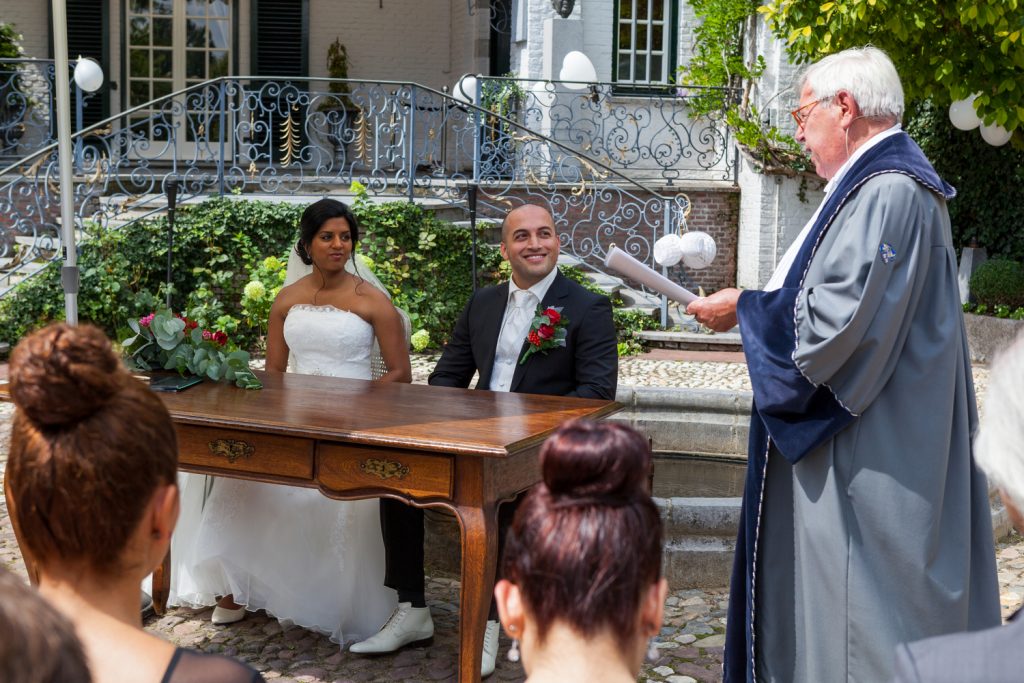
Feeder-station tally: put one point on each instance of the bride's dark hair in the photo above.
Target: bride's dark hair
(586, 542)
(314, 217)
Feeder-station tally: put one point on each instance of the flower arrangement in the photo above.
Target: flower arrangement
(420, 340)
(547, 331)
(164, 340)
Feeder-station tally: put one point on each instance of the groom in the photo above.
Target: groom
(490, 337)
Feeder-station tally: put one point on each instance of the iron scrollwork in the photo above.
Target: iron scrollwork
(231, 449)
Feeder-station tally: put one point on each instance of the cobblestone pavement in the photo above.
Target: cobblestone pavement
(690, 642)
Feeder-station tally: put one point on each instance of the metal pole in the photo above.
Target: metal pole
(79, 95)
(69, 272)
(411, 154)
(172, 200)
(472, 230)
(668, 228)
(478, 122)
(223, 122)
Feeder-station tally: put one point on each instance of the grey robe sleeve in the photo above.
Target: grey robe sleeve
(851, 315)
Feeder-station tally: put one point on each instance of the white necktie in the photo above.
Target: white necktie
(518, 323)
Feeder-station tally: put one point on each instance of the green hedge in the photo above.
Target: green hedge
(989, 205)
(999, 282)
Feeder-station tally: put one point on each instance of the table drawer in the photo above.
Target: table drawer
(229, 449)
(346, 467)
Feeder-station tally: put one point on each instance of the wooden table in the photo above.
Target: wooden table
(460, 449)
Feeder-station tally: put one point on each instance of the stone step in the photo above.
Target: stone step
(694, 341)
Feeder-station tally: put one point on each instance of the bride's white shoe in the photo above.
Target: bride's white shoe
(223, 615)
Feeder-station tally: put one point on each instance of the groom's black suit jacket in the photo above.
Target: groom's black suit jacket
(587, 366)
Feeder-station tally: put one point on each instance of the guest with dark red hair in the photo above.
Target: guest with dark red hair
(583, 591)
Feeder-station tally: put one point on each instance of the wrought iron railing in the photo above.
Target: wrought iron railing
(267, 136)
(652, 135)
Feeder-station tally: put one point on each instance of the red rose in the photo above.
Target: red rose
(207, 334)
(553, 315)
(534, 338)
(546, 331)
(220, 337)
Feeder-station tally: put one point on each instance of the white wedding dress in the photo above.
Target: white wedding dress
(299, 555)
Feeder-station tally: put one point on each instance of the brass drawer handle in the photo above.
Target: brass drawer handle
(385, 469)
(232, 449)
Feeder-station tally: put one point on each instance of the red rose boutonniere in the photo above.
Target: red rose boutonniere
(546, 332)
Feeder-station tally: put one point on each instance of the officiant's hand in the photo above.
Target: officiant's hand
(717, 311)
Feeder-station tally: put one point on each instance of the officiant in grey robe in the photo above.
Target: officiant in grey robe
(865, 521)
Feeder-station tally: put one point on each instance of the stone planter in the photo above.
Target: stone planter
(987, 335)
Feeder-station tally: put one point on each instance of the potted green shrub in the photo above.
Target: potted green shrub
(337, 105)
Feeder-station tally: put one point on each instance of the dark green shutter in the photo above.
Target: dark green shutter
(280, 38)
(88, 36)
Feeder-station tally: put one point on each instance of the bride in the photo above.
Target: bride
(302, 557)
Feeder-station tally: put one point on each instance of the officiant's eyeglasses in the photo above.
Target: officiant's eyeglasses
(801, 114)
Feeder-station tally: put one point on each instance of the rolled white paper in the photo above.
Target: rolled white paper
(623, 263)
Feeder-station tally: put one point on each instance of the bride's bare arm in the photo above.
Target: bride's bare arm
(394, 349)
(277, 348)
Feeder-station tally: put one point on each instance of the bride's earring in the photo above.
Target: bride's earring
(513, 652)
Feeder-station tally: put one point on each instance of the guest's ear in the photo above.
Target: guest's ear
(164, 510)
(652, 612)
(510, 608)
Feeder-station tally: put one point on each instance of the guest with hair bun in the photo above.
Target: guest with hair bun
(92, 495)
(583, 591)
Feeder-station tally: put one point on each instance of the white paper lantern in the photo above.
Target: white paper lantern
(995, 135)
(88, 74)
(962, 114)
(699, 249)
(668, 250)
(465, 89)
(578, 68)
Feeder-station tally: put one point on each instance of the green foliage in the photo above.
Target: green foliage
(718, 62)
(989, 205)
(10, 42)
(423, 262)
(628, 324)
(944, 51)
(259, 293)
(164, 341)
(999, 282)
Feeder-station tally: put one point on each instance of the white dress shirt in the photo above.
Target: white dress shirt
(519, 313)
(779, 276)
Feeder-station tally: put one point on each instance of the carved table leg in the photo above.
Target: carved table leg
(162, 584)
(479, 557)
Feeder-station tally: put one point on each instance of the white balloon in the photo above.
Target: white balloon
(995, 135)
(668, 250)
(699, 249)
(962, 114)
(465, 89)
(578, 68)
(88, 74)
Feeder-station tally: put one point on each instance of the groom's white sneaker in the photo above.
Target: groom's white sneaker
(490, 649)
(406, 625)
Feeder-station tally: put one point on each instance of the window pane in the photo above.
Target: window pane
(195, 8)
(641, 10)
(196, 33)
(640, 67)
(162, 29)
(162, 61)
(626, 8)
(195, 64)
(623, 67)
(657, 37)
(139, 63)
(658, 10)
(140, 31)
(139, 93)
(218, 34)
(161, 88)
(641, 37)
(220, 8)
(656, 74)
(625, 31)
(218, 64)
(163, 6)
(140, 6)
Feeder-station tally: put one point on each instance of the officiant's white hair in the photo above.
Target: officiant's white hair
(867, 73)
(999, 445)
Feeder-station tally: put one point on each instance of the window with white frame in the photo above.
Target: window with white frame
(645, 42)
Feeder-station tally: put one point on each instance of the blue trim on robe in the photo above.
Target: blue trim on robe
(789, 411)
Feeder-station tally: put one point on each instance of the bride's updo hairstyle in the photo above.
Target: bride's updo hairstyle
(586, 542)
(89, 446)
(314, 217)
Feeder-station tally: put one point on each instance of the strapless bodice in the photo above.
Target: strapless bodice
(325, 340)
